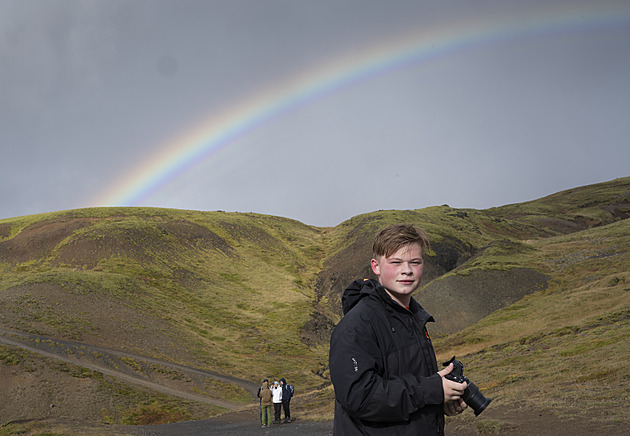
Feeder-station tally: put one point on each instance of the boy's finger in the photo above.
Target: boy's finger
(446, 370)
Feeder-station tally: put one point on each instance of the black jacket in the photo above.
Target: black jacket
(383, 367)
(286, 390)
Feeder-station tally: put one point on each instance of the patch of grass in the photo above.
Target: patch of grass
(489, 427)
(12, 429)
(558, 368)
(229, 391)
(153, 413)
(132, 363)
(75, 370)
(10, 356)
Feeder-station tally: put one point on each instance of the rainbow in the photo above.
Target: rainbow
(220, 130)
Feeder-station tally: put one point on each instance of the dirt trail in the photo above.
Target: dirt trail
(100, 359)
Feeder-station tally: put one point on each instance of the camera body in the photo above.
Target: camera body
(472, 396)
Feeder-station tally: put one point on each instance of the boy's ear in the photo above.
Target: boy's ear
(375, 267)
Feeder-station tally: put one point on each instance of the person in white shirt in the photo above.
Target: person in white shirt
(277, 401)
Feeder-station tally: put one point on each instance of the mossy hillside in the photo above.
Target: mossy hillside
(495, 231)
(572, 209)
(589, 273)
(102, 396)
(587, 264)
(233, 292)
(228, 287)
(561, 349)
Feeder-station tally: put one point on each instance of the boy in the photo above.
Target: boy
(382, 362)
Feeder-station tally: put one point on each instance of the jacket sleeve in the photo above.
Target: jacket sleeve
(357, 373)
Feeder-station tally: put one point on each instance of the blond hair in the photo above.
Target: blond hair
(392, 238)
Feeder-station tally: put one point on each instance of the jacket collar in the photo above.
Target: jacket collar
(370, 288)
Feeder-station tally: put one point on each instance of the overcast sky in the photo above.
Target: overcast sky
(499, 102)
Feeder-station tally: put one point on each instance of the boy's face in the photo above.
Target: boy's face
(400, 273)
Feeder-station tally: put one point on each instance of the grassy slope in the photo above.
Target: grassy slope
(234, 300)
(561, 349)
(218, 299)
(224, 292)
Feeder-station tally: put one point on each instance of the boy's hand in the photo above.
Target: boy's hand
(456, 407)
(452, 390)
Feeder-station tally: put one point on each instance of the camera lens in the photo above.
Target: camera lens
(475, 399)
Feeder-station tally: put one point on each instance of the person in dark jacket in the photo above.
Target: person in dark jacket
(382, 363)
(287, 393)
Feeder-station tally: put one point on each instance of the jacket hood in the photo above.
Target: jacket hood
(357, 290)
(283, 381)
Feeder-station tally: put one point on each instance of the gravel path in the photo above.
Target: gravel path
(208, 428)
(242, 423)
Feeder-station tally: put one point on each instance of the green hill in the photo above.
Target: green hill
(158, 315)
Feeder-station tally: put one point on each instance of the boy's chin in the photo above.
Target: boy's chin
(405, 289)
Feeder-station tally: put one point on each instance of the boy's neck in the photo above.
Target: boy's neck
(403, 300)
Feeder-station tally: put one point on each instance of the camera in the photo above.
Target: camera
(472, 396)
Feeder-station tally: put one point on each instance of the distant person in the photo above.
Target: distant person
(277, 401)
(266, 400)
(382, 362)
(287, 393)
(260, 399)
